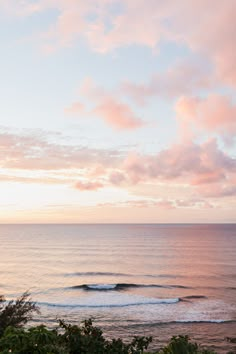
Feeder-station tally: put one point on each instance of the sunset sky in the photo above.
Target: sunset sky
(117, 111)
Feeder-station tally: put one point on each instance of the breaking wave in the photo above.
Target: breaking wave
(192, 297)
(123, 286)
(125, 304)
(110, 301)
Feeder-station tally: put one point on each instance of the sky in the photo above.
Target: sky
(117, 111)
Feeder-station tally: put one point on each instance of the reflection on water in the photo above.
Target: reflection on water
(141, 275)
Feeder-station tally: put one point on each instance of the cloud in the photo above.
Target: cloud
(187, 163)
(118, 115)
(194, 203)
(21, 8)
(33, 179)
(37, 152)
(212, 36)
(106, 25)
(107, 106)
(117, 178)
(185, 77)
(219, 190)
(208, 177)
(203, 169)
(214, 114)
(162, 203)
(88, 186)
(142, 203)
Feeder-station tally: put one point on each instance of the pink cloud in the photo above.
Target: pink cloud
(21, 9)
(215, 114)
(143, 203)
(33, 179)
(184, 77)
(208, 177)
(217, 190)
(118, 115)
(187, 163)
(162, 204)
(203, 169)
(194, 203)
(213, 36)
(97, 170)
(37, 152)
(88, 186)
(73, 22)
(90, 90)
(165, 204)
(117, 178)
(107, 106)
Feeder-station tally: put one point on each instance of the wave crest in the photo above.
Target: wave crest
(111, 301)
(123, 286)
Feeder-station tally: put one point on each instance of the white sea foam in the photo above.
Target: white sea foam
(102, 286)
(110, 300)
(204, 321)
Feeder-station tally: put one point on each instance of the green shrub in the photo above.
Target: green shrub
(36, 340)
(89, 339)
(86, 339)
(182, 345)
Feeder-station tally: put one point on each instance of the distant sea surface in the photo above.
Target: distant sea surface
(132, 279)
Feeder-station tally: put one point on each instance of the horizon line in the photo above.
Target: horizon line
(118, 223)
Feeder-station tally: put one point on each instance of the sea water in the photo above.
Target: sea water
(132, 279)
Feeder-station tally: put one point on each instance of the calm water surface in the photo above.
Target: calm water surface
(132, 279)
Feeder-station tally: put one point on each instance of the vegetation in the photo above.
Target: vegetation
(16, 313)
(72, 339)
(86, 339)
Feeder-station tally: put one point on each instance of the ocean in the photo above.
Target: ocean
(132, 279)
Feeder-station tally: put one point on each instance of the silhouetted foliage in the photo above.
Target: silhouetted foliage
(35, 340)
(16, 313)
(182, 345)
(86, 339)
(89, 339)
